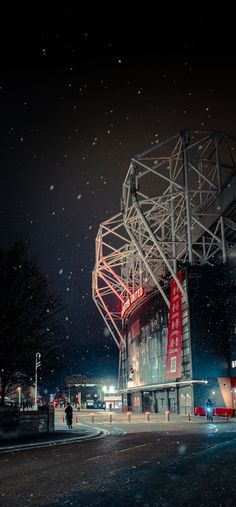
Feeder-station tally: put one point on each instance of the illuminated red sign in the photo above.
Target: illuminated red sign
(174, 345)
(132, 299)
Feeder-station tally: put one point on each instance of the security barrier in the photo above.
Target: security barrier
(167, 413)
(147, 416)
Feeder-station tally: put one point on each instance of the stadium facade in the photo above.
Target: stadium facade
(165, 275)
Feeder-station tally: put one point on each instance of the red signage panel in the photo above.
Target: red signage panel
(131, 300)
(174, 344)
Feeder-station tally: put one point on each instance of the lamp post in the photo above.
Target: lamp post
(37, 364)
(19, 396)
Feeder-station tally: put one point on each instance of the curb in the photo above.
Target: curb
(49, 443)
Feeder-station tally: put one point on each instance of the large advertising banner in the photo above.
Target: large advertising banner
(147, 344)
(174, 343)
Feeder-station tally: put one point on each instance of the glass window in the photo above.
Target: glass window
(173, 364)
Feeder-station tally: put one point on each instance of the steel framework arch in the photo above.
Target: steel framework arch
(177, 207)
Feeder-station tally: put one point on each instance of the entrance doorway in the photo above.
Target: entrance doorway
(161, 405)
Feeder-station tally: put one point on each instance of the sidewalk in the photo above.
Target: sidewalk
(42, 439)
(93, 417)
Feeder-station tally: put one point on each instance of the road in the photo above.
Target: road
(147, 465)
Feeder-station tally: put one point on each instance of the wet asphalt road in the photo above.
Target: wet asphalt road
(189, 466)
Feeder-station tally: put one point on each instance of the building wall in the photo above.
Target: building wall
(231, 307)
(208, 344)
(208, 322)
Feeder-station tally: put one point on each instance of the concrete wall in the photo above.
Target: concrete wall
(14, 423)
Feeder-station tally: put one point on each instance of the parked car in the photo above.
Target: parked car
(90, 404)
(99, 404)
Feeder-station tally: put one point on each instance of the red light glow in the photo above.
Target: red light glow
(133, 298)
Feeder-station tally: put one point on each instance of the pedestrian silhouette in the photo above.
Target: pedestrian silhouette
(69, 415)
(209, 410)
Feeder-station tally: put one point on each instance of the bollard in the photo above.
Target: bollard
(110, 417)
(167, 415)
(189, 416)
(92, 418)
(147, 416)
(129, 416)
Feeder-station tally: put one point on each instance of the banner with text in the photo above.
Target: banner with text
(174, 343)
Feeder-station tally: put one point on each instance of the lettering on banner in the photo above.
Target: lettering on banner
(174, 344)
(132, 299)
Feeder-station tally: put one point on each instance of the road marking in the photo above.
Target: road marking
(95, 457)
(117, 452)
(130, 448)
(112, 429)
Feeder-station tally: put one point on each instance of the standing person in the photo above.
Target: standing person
(209, 410)
(69, 415)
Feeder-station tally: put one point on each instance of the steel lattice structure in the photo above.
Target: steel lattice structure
(177, 206)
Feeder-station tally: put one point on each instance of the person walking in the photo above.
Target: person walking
(69, 415)
(209, 410)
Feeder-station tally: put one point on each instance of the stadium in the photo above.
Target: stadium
(164, 279)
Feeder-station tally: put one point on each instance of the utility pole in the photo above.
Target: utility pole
(37, 364)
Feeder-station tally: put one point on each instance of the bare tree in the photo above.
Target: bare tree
(30, 319)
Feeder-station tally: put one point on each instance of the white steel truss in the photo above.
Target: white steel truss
(175, 201)
(113, 276)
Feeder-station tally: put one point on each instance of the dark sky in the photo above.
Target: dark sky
(79, 96)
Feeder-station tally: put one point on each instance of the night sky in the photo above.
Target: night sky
(80, 96)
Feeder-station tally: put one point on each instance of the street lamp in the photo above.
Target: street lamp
(19, 396)
(37, 364)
